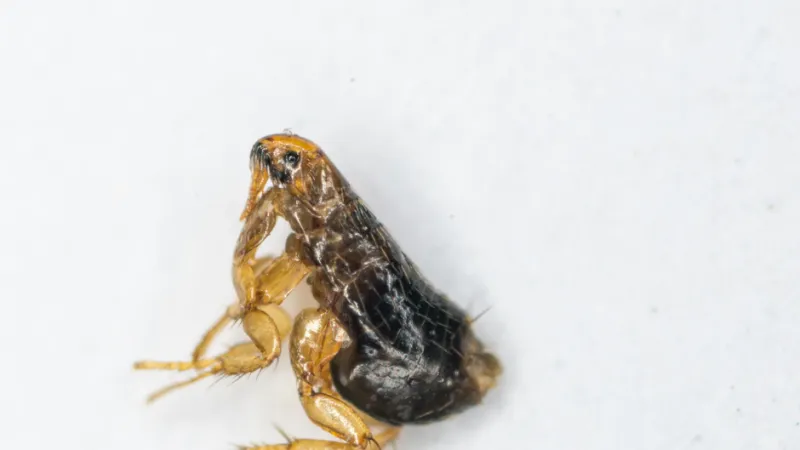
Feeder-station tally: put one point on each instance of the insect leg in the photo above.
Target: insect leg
(381, 440)
(276, 281)
(316, 338)
(247, 270)
(251, 275)
(273, 324)
(259, 283)
(231, 312)
(215, 366)
(303, 444)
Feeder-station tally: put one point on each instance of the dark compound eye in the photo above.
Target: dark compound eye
(291, 158)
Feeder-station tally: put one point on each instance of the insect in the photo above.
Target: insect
(383, 348)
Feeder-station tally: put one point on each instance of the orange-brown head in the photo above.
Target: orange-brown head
(285, 158)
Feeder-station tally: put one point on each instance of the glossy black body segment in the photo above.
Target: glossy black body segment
(406, 363)
(407, 357)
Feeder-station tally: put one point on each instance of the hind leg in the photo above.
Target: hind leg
(315, 340)
(381, 439)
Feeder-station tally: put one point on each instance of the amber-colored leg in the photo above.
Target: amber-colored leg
(260, 283)
(263, 321)
(381, 440)
(249, 271)
(231, 313)
(272, 285)
(316, 338)
(265, 326)
(215, 366)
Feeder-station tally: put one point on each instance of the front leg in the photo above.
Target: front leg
(247, 268)
(277, 280)
(258, 283)
(258, 226)
(262, 285)
(271, 324)
(234, 312)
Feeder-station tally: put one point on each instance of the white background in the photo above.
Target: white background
(618, 180)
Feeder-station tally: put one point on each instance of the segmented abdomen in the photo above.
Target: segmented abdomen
(405, 363)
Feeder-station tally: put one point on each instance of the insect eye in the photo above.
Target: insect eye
(291, 158)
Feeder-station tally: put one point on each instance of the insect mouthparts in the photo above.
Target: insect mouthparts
(259, 158)
(278, 175)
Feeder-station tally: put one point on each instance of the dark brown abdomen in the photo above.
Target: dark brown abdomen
(406, 363)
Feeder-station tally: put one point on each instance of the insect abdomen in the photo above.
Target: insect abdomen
(406, 364)
(412, 349)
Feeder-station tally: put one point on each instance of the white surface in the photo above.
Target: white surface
(619, 180)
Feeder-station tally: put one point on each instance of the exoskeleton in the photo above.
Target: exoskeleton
(383, 347)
